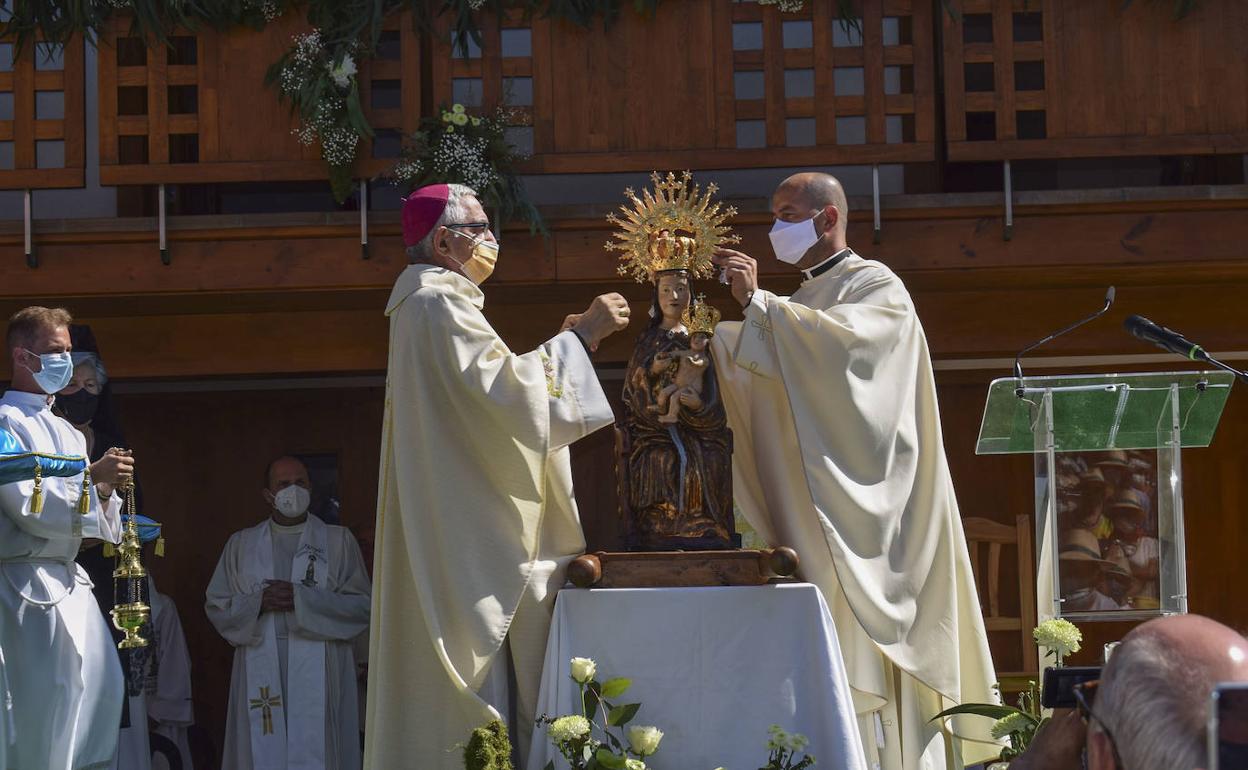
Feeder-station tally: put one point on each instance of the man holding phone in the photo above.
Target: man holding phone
(1149, 711)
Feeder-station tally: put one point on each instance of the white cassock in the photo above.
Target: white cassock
(475, 519)
(169, 702)
(838, 452)
(292, 689)
(62, 668)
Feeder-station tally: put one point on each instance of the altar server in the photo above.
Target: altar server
(60, 663)
(475, 519)
(290, 594)
(838, 452)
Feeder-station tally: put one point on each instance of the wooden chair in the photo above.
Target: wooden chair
(985, 539)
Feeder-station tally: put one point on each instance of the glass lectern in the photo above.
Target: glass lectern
(1108, 483)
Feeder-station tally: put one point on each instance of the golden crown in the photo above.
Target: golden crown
(700, 317)
(649, 234)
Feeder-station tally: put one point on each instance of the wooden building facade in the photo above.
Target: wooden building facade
(1120, 132)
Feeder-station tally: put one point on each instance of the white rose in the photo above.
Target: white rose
(644, 739)
(343, 71)
(583, 670)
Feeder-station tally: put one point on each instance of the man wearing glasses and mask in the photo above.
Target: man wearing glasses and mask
(475, 519)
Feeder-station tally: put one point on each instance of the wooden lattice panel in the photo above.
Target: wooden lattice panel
(499, 72)
(1070, 78)
(671, 91)
(45, 145)
(390, 94)
(995, 79)
(197, 109)
(857, 94)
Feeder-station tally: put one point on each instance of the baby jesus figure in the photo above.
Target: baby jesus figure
(686, 385)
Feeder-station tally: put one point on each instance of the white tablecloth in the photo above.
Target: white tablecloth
(712, 668)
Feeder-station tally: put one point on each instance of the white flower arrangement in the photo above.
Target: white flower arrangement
(782, 747)
(574, 735)
(454, 145)
(320, 81)
(1060, 637)
(787, 6)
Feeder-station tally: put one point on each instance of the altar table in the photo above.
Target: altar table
(712, 668)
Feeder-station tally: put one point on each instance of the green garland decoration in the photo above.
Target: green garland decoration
(458, 147)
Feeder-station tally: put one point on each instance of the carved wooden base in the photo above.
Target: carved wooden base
(681, 569)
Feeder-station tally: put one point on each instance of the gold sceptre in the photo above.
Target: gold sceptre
(130, 613)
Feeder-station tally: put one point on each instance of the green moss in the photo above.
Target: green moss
(488, 748)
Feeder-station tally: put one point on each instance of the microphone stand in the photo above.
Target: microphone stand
(1240, 374)
(1019, 390)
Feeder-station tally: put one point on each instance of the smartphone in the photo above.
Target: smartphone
(1228, 726)
(1058, 691)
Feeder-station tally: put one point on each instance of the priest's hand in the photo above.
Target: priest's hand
(741, 270)
(607, 314)
(279, 596)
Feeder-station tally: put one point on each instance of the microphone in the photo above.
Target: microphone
(1167, 339)
(1018, 366)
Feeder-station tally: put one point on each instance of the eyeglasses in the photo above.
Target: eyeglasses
(468, 226)
(1085, 694)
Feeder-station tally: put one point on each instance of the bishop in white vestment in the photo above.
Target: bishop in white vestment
(62, 670)
(839, 453)
(290, 594)
(476, 518)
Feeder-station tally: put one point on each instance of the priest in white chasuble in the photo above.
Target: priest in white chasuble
(290, 594)
(839, 453)
(60, 665)
(476, 519)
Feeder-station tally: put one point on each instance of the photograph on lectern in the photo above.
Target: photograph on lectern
(1108, 546)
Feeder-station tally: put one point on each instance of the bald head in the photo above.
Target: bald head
(816, 190)
(1155, 690)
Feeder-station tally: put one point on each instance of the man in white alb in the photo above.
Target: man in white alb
(290, 594)
(61, 667)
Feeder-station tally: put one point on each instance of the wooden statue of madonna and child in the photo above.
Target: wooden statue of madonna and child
(674, 447)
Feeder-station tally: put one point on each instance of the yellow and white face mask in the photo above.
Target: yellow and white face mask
(481, 264)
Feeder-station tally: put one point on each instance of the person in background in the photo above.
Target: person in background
(291, 593)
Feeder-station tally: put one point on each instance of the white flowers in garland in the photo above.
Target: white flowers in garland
(455, 146)
(342, 72)
(320, 80)
(788, 6)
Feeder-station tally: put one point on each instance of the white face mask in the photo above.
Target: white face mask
(791, 240)
(292, 502)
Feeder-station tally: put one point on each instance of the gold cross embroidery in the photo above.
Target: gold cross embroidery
(266, 703)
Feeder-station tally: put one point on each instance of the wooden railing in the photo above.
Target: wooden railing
(701, 85)
(45, 136)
